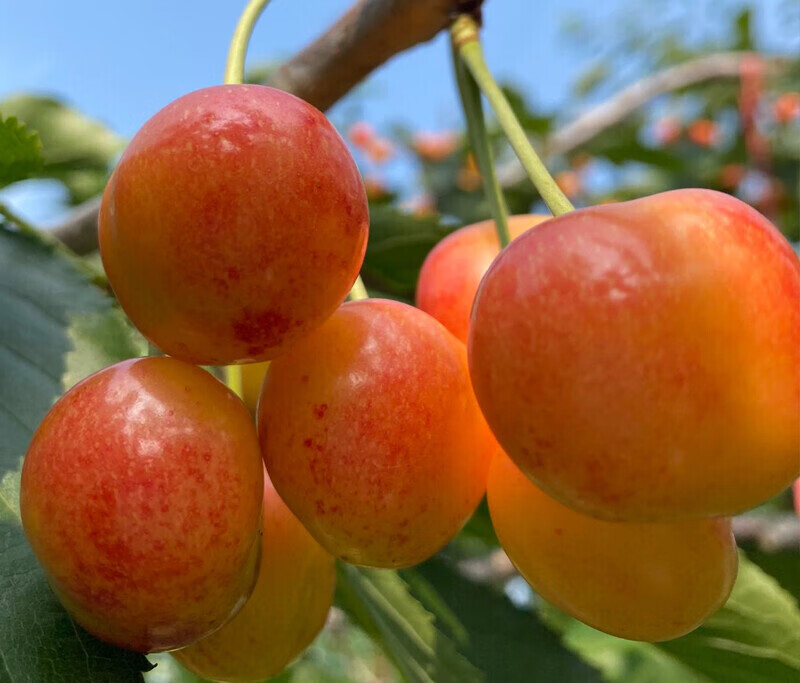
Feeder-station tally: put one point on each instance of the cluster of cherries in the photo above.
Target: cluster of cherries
(633, 379)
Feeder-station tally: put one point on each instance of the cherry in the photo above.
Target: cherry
(453, 270)
(703, 132)
(285, 612)
(431, 146)
(371, 434)
(235, 222)
(141, 497)
(667, 131)
(787, 107)
(640, 361)
(796, 491)
(569, 182)
(361, 135)
(648, 582)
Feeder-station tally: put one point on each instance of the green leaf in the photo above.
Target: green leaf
(20, 151)
(530, 120)
(39, 643)
(99, 339)
(54, 327)
(621, 661)
(398, 245)
(754, 638)
(380, 603)
(781, 563)
(510, 645)
(261, 72)
(622, 145)
(77, 150)
(591, 78)
(744, 32)
(479, 528)
(341, 653)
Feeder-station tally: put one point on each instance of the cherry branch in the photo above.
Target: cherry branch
(365, 37)
(78, 230)
(618, 107)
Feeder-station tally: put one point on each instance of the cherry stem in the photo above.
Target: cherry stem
(234, 68)
(358, 291)
(464, 33)
(479, 140)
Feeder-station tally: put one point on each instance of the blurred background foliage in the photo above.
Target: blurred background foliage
(738, 134)
(466, 615)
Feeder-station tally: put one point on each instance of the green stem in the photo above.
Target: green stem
(465, 36)
(234, 68)
(233, 378)
(479, 140)
(358, 291)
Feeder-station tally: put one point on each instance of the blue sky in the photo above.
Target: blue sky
(121, 61)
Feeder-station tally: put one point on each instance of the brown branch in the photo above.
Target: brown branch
(636, 95)
(364, 38)
(371, 32)
(621, 105)
(79, 229)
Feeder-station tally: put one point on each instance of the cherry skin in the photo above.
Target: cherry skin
(371, 434)
(452, 271)
(141, 497)
(651, 581)
(235, 222)
(284, 614)
(796, 491)
(640, 361)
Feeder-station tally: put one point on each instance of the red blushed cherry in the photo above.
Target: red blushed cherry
(141, 497)
(640, 361)
(372, 436)
(235, 222)
(452, 271)
(796, 490)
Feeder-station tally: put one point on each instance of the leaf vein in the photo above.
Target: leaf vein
(5, 666)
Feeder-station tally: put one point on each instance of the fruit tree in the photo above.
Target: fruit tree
(531, 412)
